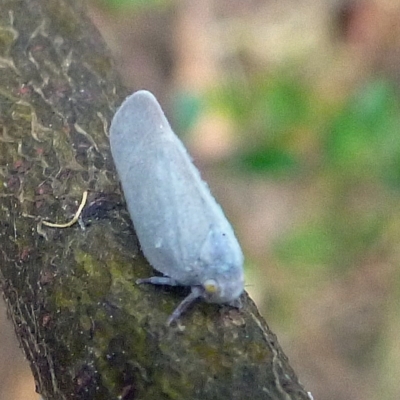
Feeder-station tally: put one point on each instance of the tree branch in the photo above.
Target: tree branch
(87, 330)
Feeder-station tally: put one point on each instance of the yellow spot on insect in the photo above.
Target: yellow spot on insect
(73, 220)
(211, 286)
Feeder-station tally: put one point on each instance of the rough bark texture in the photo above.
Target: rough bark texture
(88, 331)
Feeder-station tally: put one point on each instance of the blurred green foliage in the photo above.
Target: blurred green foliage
(311, 245)
(132, 4)
(269, 115)
(349, 150)
(187, 109)
(363, 138)
(276, 118)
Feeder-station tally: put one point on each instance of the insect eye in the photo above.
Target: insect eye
(211, 286)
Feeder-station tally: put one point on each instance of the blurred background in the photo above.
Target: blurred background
(291, 109)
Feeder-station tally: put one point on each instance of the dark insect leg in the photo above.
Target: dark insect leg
(183, 306)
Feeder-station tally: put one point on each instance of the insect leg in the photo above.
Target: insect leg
(187, 301)
(159, 280)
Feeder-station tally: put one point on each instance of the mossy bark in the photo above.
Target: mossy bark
(87, 330)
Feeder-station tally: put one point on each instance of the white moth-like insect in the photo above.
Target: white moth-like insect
(182, 231)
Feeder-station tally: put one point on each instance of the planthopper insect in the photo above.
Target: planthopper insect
(182, 231)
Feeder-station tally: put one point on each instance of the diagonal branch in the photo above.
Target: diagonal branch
(88, 331)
